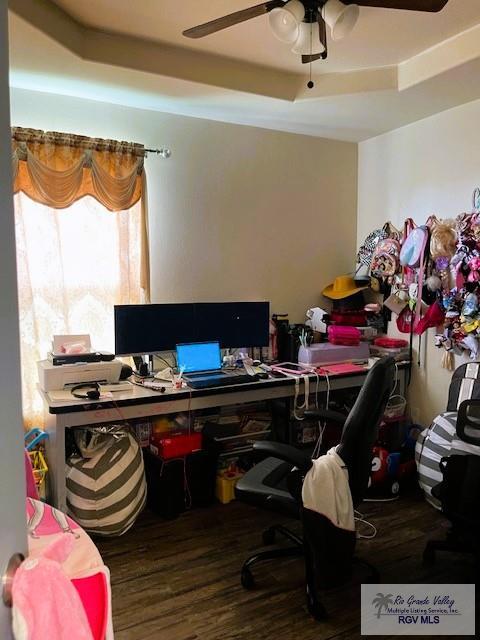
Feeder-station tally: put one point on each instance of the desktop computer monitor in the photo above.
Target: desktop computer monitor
(152, 328)
(234, 324)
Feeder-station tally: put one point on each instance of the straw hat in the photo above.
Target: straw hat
(342, 287)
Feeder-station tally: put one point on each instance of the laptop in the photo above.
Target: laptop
(202, 366)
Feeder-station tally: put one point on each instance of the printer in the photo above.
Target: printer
(54, 377)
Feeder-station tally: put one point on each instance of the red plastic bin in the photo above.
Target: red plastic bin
(176, 446)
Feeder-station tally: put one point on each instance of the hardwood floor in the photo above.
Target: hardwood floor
(180, 579)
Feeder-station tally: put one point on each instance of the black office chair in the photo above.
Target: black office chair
(276, 482)
(459, 491)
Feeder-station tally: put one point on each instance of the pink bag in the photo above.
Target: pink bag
(348, 336)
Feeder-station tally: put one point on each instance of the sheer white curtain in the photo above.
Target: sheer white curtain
(74, 265)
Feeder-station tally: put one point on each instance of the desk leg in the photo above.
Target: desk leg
(56, 461)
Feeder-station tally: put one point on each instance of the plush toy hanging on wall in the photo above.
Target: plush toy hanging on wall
(434, 278)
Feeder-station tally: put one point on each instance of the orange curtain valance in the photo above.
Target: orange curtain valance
(56, 169)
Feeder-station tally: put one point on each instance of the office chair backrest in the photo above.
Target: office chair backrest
(464, 385)
(459, 491)
(361, 427)
(468, 422)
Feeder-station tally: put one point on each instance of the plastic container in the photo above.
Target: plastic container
(390, 343)
(395, 408)
(348, 336)
(397, 354)
(175, 447)
(357, 318)
(225, 487)
(323, 353)
(40, 470)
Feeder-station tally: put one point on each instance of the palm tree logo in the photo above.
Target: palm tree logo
(382, 602)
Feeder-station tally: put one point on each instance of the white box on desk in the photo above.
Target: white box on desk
(52, 378)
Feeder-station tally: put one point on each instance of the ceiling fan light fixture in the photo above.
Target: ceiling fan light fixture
(308, 41)
(340, 18)
(285, 21)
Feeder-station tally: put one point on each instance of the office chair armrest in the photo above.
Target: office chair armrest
(286, 452)
(318, 414)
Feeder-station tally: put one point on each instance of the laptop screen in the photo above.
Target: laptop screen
(199, 356)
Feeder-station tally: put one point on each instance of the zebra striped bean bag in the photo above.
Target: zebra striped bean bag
(439, 441)
(106, 487)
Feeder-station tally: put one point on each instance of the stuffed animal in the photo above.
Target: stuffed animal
(443, 241)
(474, 267)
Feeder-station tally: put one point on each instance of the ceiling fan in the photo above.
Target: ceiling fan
(303, 23)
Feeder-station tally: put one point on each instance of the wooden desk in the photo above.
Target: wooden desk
(145, 403)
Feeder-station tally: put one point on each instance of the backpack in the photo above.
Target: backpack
(386, 258)
(414, 244)
(366, 250)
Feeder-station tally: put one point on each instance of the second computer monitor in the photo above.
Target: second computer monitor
(152, 328)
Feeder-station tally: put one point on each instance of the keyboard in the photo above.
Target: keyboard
(221, 380)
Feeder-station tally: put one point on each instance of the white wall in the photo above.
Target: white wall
(431, 166)
(237, 213)
(13, 534)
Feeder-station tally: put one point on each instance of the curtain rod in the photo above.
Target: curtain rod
(163, 152)
(21, 134)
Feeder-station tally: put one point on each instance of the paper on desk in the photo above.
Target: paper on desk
(61, 395)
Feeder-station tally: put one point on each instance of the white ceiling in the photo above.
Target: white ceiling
(51, 52)
(381, 37)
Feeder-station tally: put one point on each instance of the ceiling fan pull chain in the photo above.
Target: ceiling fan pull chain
(310, 83)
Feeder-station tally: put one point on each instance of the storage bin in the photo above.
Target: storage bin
(176, 446)
(179, 484)
(225, 487)
(40, 470)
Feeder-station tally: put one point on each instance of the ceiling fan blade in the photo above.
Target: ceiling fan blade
(409, 5)
(232, 18)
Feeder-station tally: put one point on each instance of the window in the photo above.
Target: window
(74, 265)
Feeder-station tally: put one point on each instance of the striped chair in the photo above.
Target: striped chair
(440, 439)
